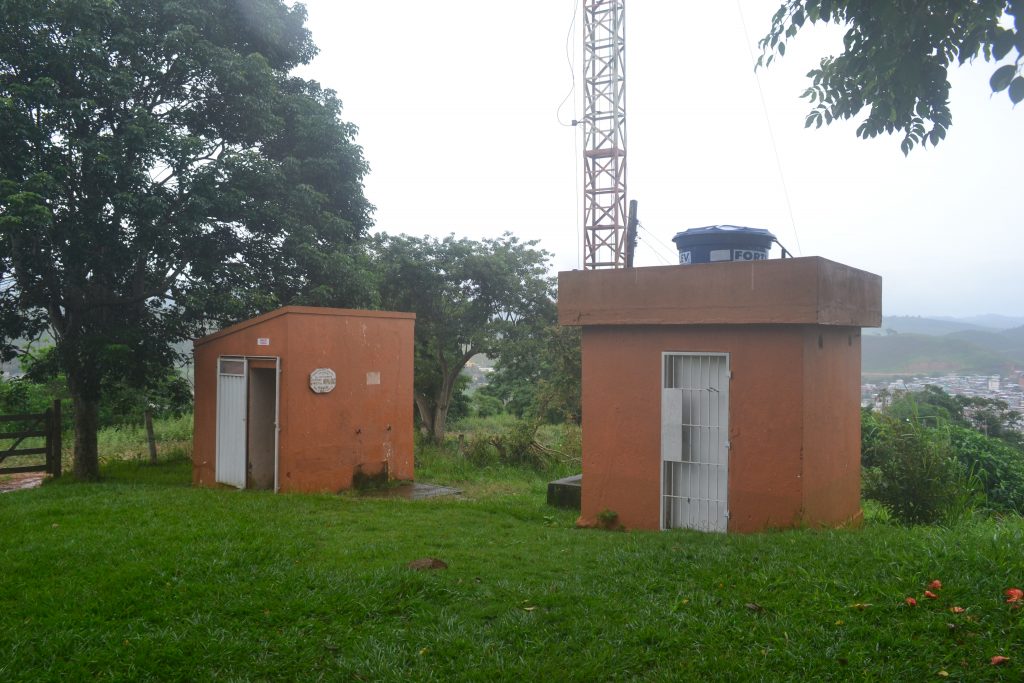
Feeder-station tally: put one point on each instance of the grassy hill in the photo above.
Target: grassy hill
(142, 577)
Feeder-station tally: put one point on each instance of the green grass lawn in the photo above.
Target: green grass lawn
(142, 577)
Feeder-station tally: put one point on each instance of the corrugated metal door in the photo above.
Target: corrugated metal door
(277, 423)
(232, 396)
(694, 441)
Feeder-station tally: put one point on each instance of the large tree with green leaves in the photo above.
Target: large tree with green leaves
(539, 375)
(469, 297)
(895, 59)
(160, 168)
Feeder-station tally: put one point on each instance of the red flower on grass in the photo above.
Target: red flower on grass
(911, 601)
(956, 610)
(936, 584)
(999, 659)
(930, 595)
(1014, 596)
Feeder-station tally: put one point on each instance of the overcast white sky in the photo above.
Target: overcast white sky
(456, 104)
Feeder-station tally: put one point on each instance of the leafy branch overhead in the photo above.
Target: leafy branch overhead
(896, 57)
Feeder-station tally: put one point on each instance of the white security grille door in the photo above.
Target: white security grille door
(694, 441)
(231, 413)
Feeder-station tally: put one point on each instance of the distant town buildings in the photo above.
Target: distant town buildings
(1009, 389)
(479, 371)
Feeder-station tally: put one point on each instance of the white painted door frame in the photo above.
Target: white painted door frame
(229, 425)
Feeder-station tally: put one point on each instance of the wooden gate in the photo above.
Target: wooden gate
(32, 426)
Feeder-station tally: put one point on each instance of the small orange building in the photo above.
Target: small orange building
(305, 399)
(722, 396)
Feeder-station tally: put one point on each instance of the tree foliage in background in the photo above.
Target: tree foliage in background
(932, 405)
(159, 169)
(122, 402)
(469, 297)
(896, 56)
(927, 459)
(994, 417)
(539, 375)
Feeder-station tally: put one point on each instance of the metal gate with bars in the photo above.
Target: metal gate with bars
(694, 441)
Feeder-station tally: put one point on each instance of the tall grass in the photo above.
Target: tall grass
(468, 459)
(173, 435)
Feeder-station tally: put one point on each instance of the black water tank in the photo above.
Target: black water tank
(722, 243)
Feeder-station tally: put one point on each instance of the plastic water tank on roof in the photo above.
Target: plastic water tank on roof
(722, 243)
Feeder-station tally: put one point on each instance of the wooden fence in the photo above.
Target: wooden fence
(32, 426)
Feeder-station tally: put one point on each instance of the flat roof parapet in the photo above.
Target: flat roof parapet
(301, 310)
(802, 291)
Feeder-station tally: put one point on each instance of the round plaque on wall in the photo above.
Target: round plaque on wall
(322, 380)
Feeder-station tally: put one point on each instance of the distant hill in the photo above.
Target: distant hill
(964, 351)
(999, 322)
(926, 354)
(1008, 342)
(912, 324)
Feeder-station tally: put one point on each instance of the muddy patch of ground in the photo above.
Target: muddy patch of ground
(20, 481)
(411, 491)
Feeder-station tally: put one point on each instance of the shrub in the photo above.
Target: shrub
(998, 465)
(914, 472)
(481, 452)
(486, 406)
(506, 440)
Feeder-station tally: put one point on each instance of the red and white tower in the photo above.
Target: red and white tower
(604, 134)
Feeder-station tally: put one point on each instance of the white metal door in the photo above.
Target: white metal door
(695, 441)
(232, 405)
(277, 423)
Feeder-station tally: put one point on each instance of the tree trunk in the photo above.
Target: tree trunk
(426, 415)
(150, 436)
(87, 461)
(83, 385)
(441, 419)
(442, 402)
(434, 413)
(434, 409)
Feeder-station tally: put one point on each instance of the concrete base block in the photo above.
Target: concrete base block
(566, 493)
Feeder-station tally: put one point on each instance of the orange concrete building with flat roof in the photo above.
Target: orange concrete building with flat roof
(305, 399)
(722, 396)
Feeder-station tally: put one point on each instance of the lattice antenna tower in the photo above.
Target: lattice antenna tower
(604, 134)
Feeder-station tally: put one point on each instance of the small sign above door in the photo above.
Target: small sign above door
(263, 341)
(322, 380)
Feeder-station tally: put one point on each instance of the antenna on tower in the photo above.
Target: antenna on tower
(604, 134)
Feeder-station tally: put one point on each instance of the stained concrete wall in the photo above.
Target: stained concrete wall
(831, 410)
(364, 424)
(622, 420)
